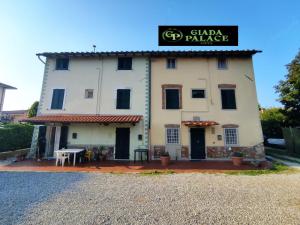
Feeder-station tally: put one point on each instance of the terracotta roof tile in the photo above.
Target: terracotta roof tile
(88, 118)
(199, 123)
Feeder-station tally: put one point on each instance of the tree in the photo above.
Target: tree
(33, 109)
(272, 119)
(289, 92)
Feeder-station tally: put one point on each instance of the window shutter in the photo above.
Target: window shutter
(123, 98)
(57, 99)
(172, 99)
(228, 99)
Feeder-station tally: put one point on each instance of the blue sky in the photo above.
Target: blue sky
(32, 26)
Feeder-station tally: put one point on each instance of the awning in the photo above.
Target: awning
(191, 123)
(87, 118)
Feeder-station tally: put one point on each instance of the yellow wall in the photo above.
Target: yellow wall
(203, 73)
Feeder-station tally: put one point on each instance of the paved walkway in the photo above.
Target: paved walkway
(128, 167)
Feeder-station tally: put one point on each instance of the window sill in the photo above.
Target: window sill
(222, 68)
(229, 109)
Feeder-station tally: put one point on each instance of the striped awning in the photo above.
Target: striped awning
(88, 118)
(192, 123)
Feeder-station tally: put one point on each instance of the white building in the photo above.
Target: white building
(95, 99)
(3, 88)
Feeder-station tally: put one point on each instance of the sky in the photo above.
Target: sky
(32, 26)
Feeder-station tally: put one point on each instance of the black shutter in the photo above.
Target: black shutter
(62, 63)
(57, 99)
(172, 99)
(228, 99)
(123, 98)
(124, 63)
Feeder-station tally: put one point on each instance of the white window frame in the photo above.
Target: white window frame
(171, 68)
(174, 138)
(237, 137)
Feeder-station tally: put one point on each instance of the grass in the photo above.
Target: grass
(156, 172)
(277, 168)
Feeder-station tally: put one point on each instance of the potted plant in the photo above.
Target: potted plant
(165, 158)
(237, 158)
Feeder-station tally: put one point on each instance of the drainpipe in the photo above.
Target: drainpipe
(99, 91)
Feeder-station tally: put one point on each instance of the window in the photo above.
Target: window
(62, 64)
(124, 63)
(172, 135)
(171, 63)
(74, 135)
(231, 136)
(123, 98)
(198, 93)
(57, 98)
(222, 63)
(228, 99)
(172, 98)
(89, 93)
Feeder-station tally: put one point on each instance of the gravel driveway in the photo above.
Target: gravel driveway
(91, 198)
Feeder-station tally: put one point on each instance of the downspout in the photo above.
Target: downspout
(209, 82)
(149, 103)
(39, 57)
(99, 93)
(149, 91)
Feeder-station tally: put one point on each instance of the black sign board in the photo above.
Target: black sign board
(198, 35)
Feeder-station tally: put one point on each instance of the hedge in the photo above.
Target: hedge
(15, 136)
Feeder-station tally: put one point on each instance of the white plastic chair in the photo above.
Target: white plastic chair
(61, 158)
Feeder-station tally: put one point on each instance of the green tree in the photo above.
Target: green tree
(33, 109)
(272, 119)
(289, 92)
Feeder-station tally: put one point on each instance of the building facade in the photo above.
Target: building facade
(94, 100)
(204, 106)
(3, 88)
(192, 104)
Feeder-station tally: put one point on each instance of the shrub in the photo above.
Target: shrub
(15, 136)
(272, 119)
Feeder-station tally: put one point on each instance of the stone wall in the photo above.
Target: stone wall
(253, 152)
(157, 150)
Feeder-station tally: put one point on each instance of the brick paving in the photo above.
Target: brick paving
(127, 167)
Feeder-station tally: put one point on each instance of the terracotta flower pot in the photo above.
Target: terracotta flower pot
(165, 160)
(237, 161)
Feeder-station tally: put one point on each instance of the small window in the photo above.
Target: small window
(62, 64)
(198, 93)
(89, 93)
(74, 135)
(124, 63)
(231, 136)
(57, 98)
(172, 98)
(228, 99)
(171, 63)
(123, 98)
(172, 135)
(222, 63)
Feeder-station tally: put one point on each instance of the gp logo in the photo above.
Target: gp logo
(172, 35)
